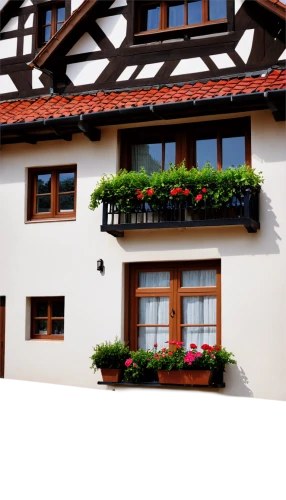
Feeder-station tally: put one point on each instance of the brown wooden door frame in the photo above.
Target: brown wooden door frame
(2, 335)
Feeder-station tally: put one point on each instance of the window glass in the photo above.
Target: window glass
(192, 279)
(195, 12)
(66, 182)
(176, 15)
(233, 152)
(153, 310)
(61, 15)
(42, 309)
(48, 17)
(66, 202)
(57, 327)
(150, 335)
(58, 309)
(150, 17)
(217, 9)
(43, 183)
(199, 335)
(47, 317)
(43, 204)
(170, 154)
(41, 327)
(154, 279)
(148, 156)
(199, 310)
(47, 34)
(206, 151)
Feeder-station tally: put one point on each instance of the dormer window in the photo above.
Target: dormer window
(156, 21)
(50, 18)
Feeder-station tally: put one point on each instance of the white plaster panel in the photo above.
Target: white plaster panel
(27, 47)
(244, 45)
(7, 85)
(85, 44)
(30, 21)
(126, 73)
(75, 4)
(26, 3)
(118, 3)
(8, 48)
(222, 61)
(86, 72)
(237, 5)
(114, 28)
(283, 56)
(191, 65)
(149, 70)
(11, 25)
(36, 82)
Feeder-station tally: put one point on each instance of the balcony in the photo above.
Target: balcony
(238, 211)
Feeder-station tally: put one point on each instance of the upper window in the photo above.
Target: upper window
(50, 19)
(52, 193)
(222, 144)
(176, 14)
(176, 301)
(47, 318)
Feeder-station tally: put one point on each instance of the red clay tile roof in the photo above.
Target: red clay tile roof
(28, 110)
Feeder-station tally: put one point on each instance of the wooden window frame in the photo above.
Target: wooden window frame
(54, 214)
(175, 294)
(134, 35)
(49, 318)
(42, 9)
(185, 137)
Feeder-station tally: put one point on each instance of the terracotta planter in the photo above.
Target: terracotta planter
(185, 377)
(111, 374)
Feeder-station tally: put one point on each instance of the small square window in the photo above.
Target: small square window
(47, 318)
(51, 17)
(52, 193)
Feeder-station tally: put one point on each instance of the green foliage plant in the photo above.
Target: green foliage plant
(195, 188)
(109, 355)
(136, 367)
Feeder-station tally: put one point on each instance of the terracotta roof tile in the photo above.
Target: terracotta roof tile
(28, 110)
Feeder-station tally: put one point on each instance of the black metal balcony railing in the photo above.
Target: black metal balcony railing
(239, 211)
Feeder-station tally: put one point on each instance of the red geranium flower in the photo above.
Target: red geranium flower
(170, 353)
(193, 346)
(138, 191)
(155, 345)
(204, 190)
(174, 191)
(164, 349)
(150, 192)
(205, 347)
(199, 197)
(179, 190)
(140, 196)
(186, 192)
(218, 348)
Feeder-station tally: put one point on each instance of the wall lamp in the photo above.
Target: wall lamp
(100, 265)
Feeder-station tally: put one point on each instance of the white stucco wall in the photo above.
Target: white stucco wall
(59, 258)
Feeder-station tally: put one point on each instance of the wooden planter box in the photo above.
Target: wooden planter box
(111, 374)
(185, 377)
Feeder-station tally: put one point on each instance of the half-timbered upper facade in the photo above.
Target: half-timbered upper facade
(127, 44)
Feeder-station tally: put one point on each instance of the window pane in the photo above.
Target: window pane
(48, 17)
(233, 152)
(148, 336)
(58, 327)
(43, 204)
(206, 152)
(58, 26)
(199, 278)
(176, 15)
(43, 183)
(66, 202)
(58, 309)
(150, 18)
(217, 9)
(154, 280)
(170, 154)
(153, 310)
(42, 309)
(61, 14)
(41, 327)
(148, 156)
(66, 182)
(199, 310)
(198, 335)
(195, 12)
(47, 34)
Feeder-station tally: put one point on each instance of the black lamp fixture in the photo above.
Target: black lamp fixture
(100, 265)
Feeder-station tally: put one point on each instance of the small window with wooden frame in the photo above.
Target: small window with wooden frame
(47, 318)
(178, 301)
(221, 143)
(51, 17)
(182, 18)
(52, 193)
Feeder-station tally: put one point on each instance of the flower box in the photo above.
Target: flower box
(111, 374)
(185, 377)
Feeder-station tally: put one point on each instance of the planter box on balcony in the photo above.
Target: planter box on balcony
(237, 212)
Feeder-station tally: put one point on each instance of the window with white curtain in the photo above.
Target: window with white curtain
(175, 301)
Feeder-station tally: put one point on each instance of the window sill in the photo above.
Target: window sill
(60, 219)
(47, 340)
(212, 27)
(156, 384)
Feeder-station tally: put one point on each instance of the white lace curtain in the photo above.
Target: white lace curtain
(199, 311)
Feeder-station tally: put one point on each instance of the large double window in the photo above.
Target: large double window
(222, 144)
(175, 301)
